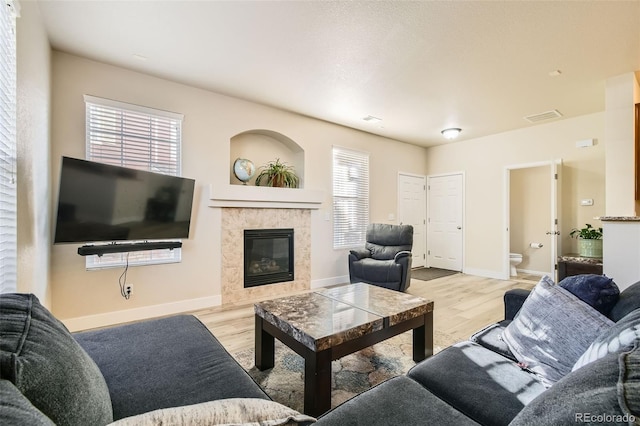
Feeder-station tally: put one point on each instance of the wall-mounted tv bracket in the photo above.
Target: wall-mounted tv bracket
(100, 249)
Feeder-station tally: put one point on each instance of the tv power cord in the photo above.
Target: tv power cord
(125, 290)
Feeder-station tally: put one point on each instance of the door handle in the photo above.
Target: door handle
(553, 233)
(458, 227)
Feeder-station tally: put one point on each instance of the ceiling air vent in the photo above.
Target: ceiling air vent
(543, 116)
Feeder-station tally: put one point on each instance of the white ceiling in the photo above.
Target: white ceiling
(419, 66)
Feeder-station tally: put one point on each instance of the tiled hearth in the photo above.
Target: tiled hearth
(234, 222)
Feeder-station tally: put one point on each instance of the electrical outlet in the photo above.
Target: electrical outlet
(128, 289)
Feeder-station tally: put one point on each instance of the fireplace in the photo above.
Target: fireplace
(268, 256)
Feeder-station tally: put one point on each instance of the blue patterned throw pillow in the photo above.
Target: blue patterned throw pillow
(598, 291)
(619, 338)
(552, 330)
(603, 392)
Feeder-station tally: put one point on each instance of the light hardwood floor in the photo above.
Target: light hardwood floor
(463, 304)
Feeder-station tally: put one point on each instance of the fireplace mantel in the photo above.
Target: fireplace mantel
(264, 197)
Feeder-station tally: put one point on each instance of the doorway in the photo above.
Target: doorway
(532, 217)
(445, 233)
(412, 206)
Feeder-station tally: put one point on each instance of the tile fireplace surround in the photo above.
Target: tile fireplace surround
(234, 222)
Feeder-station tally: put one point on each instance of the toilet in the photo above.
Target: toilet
(514, 259)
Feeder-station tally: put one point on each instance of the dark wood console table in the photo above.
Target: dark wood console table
(574, 264)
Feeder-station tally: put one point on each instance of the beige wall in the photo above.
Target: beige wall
(262, 149)
(34, 98)
(211, 120)
(484, 161)
(622, 93)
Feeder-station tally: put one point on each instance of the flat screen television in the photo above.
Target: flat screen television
(102, 203)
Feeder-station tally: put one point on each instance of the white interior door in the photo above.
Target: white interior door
(444, 221)
(412, 207)
(556, 214)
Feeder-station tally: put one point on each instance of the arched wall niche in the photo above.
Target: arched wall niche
(262, 146)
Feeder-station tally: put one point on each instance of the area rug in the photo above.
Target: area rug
(351, 375)
(426, 274)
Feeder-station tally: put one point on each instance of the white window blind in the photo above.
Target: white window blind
(8, 204)
(138, 137)
(350, 197)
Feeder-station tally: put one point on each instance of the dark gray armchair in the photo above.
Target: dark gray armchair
(385, 260)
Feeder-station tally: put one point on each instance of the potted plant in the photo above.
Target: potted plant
(277, 173)
(589, 240)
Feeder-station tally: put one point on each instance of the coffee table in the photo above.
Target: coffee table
(327, 324)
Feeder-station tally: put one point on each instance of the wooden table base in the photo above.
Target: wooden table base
(317, 365)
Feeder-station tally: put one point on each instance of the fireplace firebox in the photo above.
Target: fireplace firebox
(268, 256)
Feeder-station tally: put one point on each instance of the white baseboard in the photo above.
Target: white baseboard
(530, 272)
(497, 275)
(136, 314)
(326, 282)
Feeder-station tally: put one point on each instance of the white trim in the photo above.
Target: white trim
(506, 220)
(132, 107)
(326, 282)
(464, 217)
(347, 148)
(137, 314)
(530, 165)
(461, 172)
(557, 170)
(530, 272)
(14, 5)
(9, 215)
(263, 205)
(422, 262)
(412, 174)
(486, 273)
(264, 197)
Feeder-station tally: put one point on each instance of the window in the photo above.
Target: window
(350, 197)
(8, 202)
(140, 138)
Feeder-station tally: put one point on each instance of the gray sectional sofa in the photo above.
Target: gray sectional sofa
(480, 381)
(174, 371)
(131, 374)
